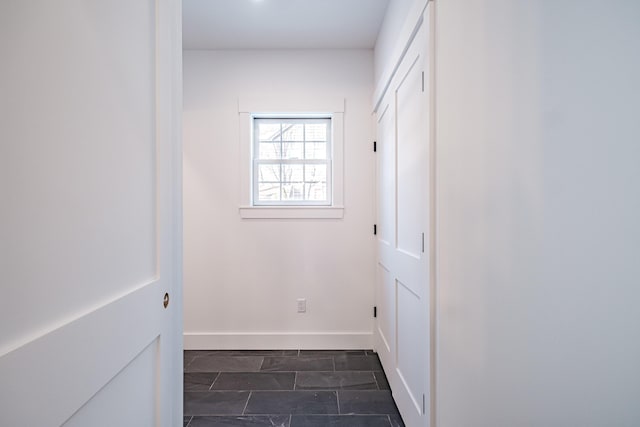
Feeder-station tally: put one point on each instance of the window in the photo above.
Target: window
(292, 161)
(291, 157)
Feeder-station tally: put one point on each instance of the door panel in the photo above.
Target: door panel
(79, 171)
(411, 357)
(89, 179)
(113, 402)
(410, 157)
(403, 335)
(386, 177)
(76, 360)
(386, 311)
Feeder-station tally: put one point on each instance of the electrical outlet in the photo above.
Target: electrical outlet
(302, 305)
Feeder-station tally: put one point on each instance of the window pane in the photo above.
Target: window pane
(315, 173)
(316, 150)
(269, 173)
(293, 191)
(292, 150)
(292, 173)
(291, 160)
(269, 150)
(315, 132)
(268, 192)
(316, 191)
(269, 131)
(292, 132)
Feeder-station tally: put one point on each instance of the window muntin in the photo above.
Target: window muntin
(292, 161)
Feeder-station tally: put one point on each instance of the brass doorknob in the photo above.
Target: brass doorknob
(165, 302)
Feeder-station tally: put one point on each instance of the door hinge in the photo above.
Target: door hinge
(375, 229)
(375, 148)
(375, 311)
(422, 242)
(423, 81)
(424, 405)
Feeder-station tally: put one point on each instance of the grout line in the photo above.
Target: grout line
(189, 422)
(295, 379)
(290, 416)
(214, 381)
(338, 402)
(246, 404)
(333, 359)
(390, 423)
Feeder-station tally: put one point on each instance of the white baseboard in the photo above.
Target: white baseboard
(278, 341)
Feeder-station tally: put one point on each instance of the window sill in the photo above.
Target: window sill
(291, 212)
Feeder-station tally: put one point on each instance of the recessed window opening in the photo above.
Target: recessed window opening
(292, 159)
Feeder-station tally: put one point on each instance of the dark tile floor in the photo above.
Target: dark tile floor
(287, 388)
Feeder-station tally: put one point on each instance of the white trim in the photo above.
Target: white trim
(337, 165)
(245, 159)
(278, 105)
(291, 212)
(278, 340)
(332, 106)
(410, 28)
(433, 213)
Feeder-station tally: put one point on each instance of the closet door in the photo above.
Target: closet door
(403, 285)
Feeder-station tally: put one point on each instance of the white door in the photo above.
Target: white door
(89, 213)
(403, 283)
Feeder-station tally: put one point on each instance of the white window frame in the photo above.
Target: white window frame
(299, 118)
(250, 108)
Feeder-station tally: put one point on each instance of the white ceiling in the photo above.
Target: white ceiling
(281, 24)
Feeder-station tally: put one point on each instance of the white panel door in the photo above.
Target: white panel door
(404, 188)
(89, 213)
(385, 333)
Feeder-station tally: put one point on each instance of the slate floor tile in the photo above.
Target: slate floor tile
(214, 402)
(358, 380)
(381, 380)
(255, 381)
(198, 381)
(187, 358)
(325, 353)
(246, 352)
(192, 354)
(396, 421)
(297, 364)
(339, 421)
(367, 402)
(287, 388)
(292, 402)
(219, 363)
(357, 363)
(245, 421)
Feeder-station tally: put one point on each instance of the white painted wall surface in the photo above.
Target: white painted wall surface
(538, 149)
(242, 277)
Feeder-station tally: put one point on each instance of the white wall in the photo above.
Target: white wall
(538, 200)
(242, 277)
